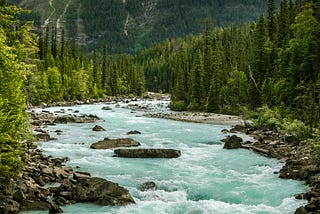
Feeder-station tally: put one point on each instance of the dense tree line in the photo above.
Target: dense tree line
(64, 73)
(273, 62)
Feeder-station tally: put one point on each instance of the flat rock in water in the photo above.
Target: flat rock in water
(114, 143)
(133, 132)
(102, 192)
(106, 108)
(147, 153)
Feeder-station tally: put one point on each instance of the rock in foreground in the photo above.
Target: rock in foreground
(102, 192)
(114, 143)
(147, 153)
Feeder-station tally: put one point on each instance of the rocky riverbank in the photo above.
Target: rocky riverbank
(298, 159)
(47, 183)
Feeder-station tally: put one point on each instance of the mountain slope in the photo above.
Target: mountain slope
(135, 24)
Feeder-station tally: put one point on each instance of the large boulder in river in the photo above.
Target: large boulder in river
(102, 192)
(147, 153)
(113, 143)
(71, 118)
(233, 142)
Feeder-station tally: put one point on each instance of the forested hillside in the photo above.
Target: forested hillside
(136, 24)
(271, 64)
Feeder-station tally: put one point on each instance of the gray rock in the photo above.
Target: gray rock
(9, 206)
(150, 185)
(147, 153)
(233, 142)
(114, 143)
(301, 210)
(43, 137)
(106, 108)
(133, 132)
(102, 192)
(55, 209)
(28, 205)
(77, 175)
(98, 128)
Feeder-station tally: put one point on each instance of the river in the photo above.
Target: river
(205, 179)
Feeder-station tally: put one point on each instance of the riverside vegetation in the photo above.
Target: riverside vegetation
(270, 68)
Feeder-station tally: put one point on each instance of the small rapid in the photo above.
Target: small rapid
(205, 179)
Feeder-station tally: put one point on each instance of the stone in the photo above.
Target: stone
(102, 192)
(233, 142)
(314, 205)
(9, 206)
(43, 137)
(60, 173)
(28, 205)
(98, 128)
(301, 210)
(77, 175)
(150, 185)
(19, 195)
(9, 187)
(54, 208)
(133, 132)
(106, 108)
(113, 143)
(76, 119)
(147, 153)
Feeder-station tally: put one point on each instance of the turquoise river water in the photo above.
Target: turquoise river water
(205, 179)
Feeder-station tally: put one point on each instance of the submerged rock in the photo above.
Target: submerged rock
(98, 128)
(150, 185)
(106, 108)
(133, 132)
(147, 153)
(113, 143)
(233, 142)
(102, 192)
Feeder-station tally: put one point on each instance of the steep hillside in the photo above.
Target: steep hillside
(135, 24)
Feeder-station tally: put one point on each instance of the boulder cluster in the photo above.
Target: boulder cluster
(46, 184)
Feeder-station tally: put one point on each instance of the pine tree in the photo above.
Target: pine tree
(207, 59)
(272, 25)
(104, 68)
(197, 82)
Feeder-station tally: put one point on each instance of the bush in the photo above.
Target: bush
(268, 119)
(178, 106)
(295, 128)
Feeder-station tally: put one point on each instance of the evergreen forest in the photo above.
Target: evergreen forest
(268, 69)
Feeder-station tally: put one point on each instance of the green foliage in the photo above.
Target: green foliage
(178, 106)
(268, 118)
(272, 119)
(296, 128)
(16, 48)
